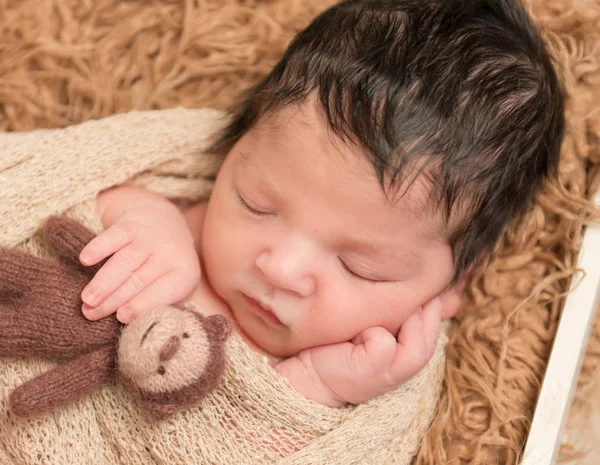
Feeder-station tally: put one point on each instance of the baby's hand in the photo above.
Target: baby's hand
(154, 263)
(373, 363)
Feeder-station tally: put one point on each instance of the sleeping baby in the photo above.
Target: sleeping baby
(364, 177)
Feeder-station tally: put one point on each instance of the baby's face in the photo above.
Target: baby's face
(303, 245)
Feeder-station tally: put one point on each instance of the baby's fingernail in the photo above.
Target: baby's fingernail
(90, 296)
(84, 257)
(88, 311)
(124, 315)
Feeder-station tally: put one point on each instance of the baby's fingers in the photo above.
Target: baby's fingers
(417, 341)
(374, 351)
(134, 283)
(113, 274)
(167, 290)
(432, 324)
(105, 244)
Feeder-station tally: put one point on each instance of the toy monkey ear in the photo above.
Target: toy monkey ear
(217, 327)
(67, 237)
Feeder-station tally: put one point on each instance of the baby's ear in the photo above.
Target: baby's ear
(451, 298)
(67, 237)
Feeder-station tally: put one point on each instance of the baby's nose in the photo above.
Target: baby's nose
(169, 350)
(290, 273)
(290, 264)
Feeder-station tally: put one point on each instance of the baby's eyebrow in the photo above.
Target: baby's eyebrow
(246, 157)
(260, 177)
(407, 256)
(248, 162)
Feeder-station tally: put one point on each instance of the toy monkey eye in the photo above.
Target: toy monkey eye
(185, 335)
(161, 370)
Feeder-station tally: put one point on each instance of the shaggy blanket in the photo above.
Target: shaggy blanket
(254, 416)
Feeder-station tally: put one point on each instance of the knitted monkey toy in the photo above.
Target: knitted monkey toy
(171, 357)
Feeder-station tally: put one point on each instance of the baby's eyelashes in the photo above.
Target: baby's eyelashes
(251, 209)
(359, 276)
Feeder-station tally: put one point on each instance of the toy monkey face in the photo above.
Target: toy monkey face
(164, 349)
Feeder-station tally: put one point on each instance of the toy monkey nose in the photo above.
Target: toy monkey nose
(169, 349)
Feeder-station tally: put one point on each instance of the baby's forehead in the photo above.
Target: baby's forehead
(291, 123)
(303, 128)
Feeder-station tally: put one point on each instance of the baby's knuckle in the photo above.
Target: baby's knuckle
(388, 341)
(99, 243)
(123, 232)
(127, 258)
(137, 283)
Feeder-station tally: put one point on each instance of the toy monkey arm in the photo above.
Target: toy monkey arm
(18, 273)
(64, 384)
(24, 275)
(35, 292)
(67, 237)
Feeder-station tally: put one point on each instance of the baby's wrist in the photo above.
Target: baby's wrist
(194, 217)
(118, 201)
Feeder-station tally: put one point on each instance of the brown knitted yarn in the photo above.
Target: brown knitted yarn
(64, 62)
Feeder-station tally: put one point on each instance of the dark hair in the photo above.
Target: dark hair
(463, 89)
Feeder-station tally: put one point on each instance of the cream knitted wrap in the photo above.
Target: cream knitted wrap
(254, 417)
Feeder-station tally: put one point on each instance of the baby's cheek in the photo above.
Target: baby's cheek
(376, 306)
(394, 316)
(218, 245)
(336, 319)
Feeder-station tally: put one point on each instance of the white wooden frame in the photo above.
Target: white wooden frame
(566, 357)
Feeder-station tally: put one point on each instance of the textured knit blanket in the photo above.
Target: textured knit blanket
(254, 417)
